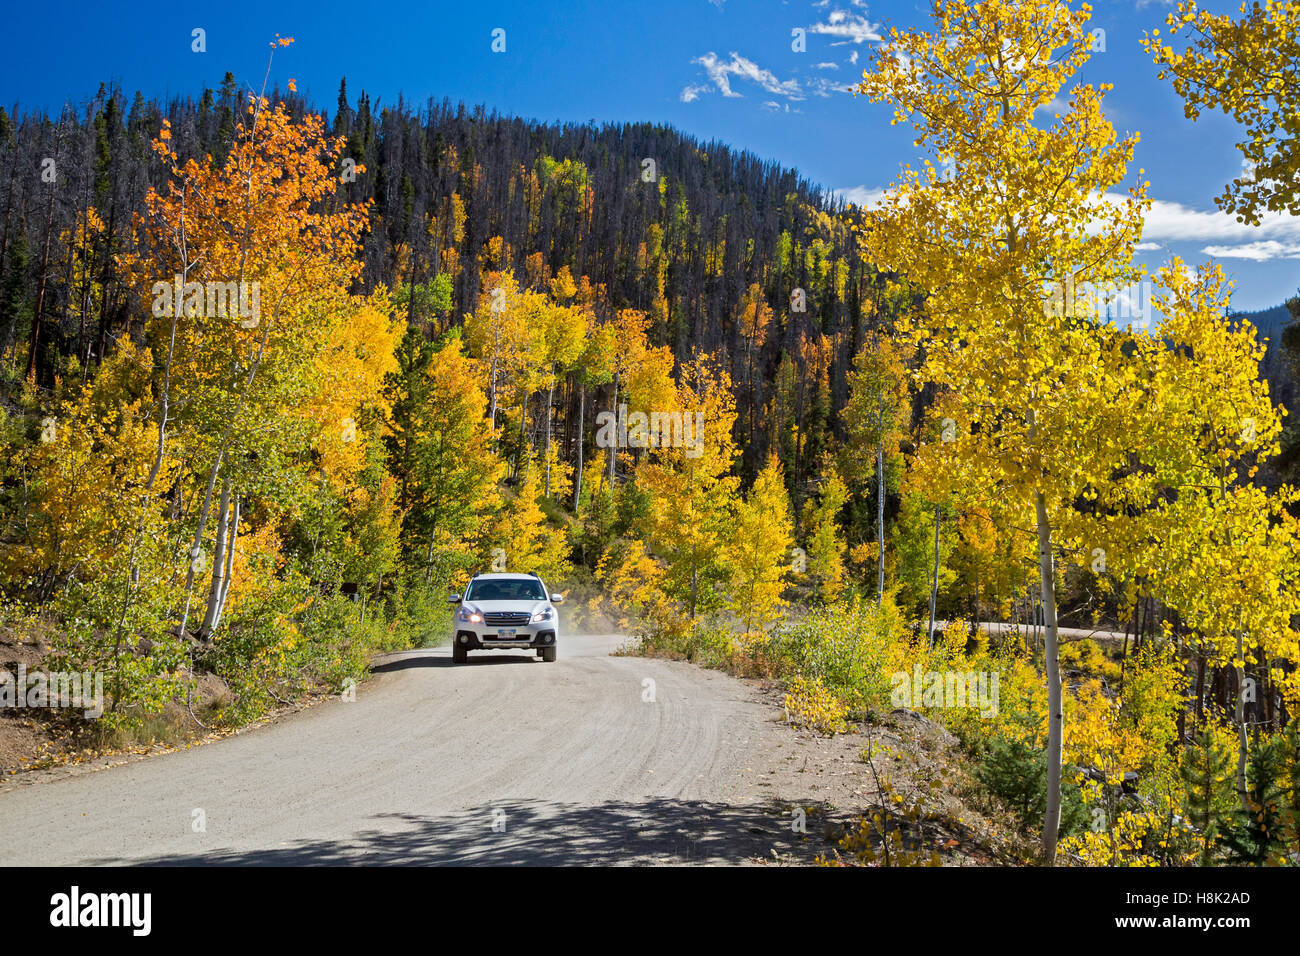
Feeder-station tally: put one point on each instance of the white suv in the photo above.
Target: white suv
(505, 610)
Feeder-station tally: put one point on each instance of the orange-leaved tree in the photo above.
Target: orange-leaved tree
(247, 269)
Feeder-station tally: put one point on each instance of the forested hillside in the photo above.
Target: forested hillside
(654, 221)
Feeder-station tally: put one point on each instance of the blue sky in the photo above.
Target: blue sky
(723, 69)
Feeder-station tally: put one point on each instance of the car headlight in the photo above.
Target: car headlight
(467, 616)
(545, 614)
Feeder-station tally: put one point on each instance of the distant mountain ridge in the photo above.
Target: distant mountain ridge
(1276, 367)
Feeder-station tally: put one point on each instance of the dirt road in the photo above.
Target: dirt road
(593, 758)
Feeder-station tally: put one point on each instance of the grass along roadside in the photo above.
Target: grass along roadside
(860, 669)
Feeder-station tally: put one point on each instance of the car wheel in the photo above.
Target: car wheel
(540, 652)
(548, 654)
(459, 653)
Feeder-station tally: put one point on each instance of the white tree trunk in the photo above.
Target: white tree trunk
(230, 565)
(1052, 666)
(880, 519)
(218, 562)
(1239, 718)
(582, 411)
(550, 397)
(613, 448)
(934, 580)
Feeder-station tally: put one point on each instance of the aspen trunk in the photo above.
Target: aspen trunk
(1051, 664)
(492, 417)
(230, 565)
(934, 580)
(613, 449)
(1239, 718)
(218, 562)
(582, 411)
(880, 520)
(199, 529)
(546, 453)
(428, 559)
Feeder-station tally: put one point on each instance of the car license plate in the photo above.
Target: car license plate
(506, 634)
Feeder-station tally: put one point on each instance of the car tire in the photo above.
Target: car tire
(540, 651)
(548, 654)
(459, 653)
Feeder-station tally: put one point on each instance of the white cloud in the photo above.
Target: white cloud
(865, 196)
(1053, 106)
(1172, 221)
(721, 72)
(1257, 251)
(827, 66)
(824, 86)
(1277, 236)
(847, 27)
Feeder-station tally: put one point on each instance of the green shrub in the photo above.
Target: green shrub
(849, 648)
(416, 616)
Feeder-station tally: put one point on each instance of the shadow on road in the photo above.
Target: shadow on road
(536, 833)
(429, 658)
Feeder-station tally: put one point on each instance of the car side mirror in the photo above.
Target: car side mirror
(557, 598)
(453, 599)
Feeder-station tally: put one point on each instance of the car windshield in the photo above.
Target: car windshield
(506, 589)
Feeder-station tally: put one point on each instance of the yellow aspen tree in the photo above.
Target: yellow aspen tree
(760, 550)
(454, 473)
(526, 539)
(85, 292)
(592, 369)
(824, 536)
(97, 540)
(693, 490)
(249, 279)
(1220, 550)
(875, 418)
(496, 333)
(1019, 205)
(563, 338)
(641, 373)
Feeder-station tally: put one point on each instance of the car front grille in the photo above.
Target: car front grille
(507, 618)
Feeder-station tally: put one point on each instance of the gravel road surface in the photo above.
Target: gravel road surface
(591, 759)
